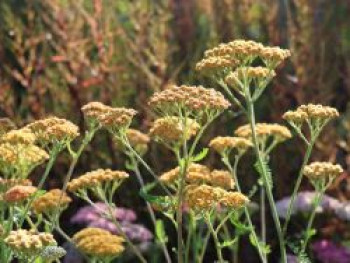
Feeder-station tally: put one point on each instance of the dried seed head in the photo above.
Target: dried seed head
(221, 178)
(99, 176)
(234, 200)
(225, 144)
(172, 129)
(98, 243)
(29, 242)
(19, 193)
(49, 201)
(322, 170)
(264, 131)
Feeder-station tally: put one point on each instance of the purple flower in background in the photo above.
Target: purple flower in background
(92, 216)
(88, 214)
(343, 211)
(292, 259)
(304, 202)
(327, 251)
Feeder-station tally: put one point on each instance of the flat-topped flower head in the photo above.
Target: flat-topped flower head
(317, 111)
(29, 242)
(322, 171)
(6, 184)
(297, 117)
(201, 198)
(173, 129)
(100, 176)
(194, 100)
(52, 253)
(117, 118)
(53, 130)
(234, 200)
(273, 56)
(19, 193)
(196, 173)
(6, 125)
(216, 65)
(222, 178)
(93, 110)
(21, 136)
(225, 144)
(49, 202)
(21, 158)
(264, 131)
(98, 243)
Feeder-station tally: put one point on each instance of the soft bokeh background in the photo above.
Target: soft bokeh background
(57, 55)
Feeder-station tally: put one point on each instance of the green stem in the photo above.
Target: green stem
(251, 117)
(149, 208)
(263, 217)
(216, 240)
(189, 236)
(297, 185)
(204, 248)
(233, 171)
(317, 201)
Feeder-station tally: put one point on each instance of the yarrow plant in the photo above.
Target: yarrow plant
(201, 202)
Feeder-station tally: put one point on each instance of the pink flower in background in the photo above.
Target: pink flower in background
(327, 251)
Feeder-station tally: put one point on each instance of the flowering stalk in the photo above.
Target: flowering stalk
(251, 118)
(215, 237)
(233, 171)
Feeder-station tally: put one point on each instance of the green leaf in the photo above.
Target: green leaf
(228, 243)
(129, 165)
(266, 249)
(260, 168)
(160, 232)
(164, 202)
(200, 156)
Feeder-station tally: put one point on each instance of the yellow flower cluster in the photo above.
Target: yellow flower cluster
(21, 136)
(222, 178)
(210, 64)
(199, 174)
(322, 171)
(193, 98)
(108, 117)
(264, 131)
(21, 155)
(311, 112)
(170, 129)
(53, 130)
(49, 201)
(6, 125)
(29, 242)
(97, 177)
(234, 200)
(225, 144)
(205, 197)
(137, 138)
(246, 51)
(98, 243)
(19, 193)
(6, 184)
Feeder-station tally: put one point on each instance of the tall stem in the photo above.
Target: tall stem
(216, 240)
(251, 117)
(233, 171)
(317, 201)
(149, 208)
(297, 185)
(263, 216)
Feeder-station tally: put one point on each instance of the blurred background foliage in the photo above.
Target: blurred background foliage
(57, 55)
